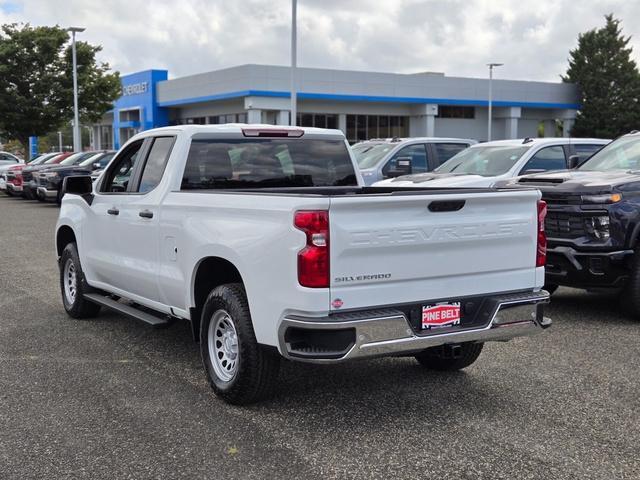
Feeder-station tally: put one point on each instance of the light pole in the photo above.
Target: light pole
(294, 61)
(491, 66)
(60, 141)
(77, 140)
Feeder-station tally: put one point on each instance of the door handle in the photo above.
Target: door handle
(146, 214)
(113, 211)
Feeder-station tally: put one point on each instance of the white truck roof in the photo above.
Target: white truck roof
(239, 127)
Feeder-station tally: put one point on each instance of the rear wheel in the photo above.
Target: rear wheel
(449, 358)
(73, 285)
(550, 287)
(240, 370)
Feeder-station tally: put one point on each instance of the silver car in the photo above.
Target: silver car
(393, 157)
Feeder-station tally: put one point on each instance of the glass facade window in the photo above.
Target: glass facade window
(130, 115)
(228, 118)
(365, 127)
(319, 120)
(195, 121)
(127, 133)
(455, 111)
(106, 137)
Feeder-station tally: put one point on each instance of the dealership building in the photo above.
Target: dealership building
(363, 105)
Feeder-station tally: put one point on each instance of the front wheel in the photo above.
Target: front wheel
(449, 358)
(73, 285)
(240, 370)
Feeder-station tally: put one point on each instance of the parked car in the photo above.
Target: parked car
(4, 168)
(7, 158)
(593, 225)
(392, 157)
(30, 184)
(484, 164)
(50, 179)
(14, 182)
(266, 241)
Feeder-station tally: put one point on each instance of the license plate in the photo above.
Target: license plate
(440, 315)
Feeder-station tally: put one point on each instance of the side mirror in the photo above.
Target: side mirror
(574, 161)
(96, 165)
(78, 185)
(403, 167)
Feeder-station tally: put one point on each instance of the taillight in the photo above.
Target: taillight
(541, 255)
(313, 259)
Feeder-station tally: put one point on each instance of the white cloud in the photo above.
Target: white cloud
(458, 37)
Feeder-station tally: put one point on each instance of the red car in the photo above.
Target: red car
(14, 180)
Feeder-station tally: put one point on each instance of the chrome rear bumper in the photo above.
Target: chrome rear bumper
(387, 332)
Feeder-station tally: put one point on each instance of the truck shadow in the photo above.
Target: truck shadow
(569, 305)
(377, 393)
(397, 386)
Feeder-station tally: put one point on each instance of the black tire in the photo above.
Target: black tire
(550, 287)
(39, 197)
(255, 371)
(75, 305)
(441, 359)
(630, 294)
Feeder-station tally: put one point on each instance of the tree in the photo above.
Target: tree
(36, 81)
(609, 82)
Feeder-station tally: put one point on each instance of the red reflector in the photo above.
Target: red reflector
(541, 254)
(272, 132)
(313, 259)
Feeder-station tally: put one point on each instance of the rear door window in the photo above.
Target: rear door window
(267, 163)
(444, 151)
(547, 158)
(585, 150)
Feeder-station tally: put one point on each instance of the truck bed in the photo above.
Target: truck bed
(353, 191)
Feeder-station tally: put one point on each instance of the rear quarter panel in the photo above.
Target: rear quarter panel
(253, 232)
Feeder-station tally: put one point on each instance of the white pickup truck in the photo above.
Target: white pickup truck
(266, 240)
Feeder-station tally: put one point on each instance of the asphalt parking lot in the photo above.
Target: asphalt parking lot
(113, 398)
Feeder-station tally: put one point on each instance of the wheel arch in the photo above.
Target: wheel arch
(64, 236)
(209, 273)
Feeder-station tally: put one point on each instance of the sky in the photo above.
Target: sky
(458, 37)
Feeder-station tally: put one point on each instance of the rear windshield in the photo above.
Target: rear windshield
(254, 163)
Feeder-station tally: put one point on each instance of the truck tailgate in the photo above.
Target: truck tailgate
(388, 250)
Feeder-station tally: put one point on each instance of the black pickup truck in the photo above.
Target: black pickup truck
(593, 221)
